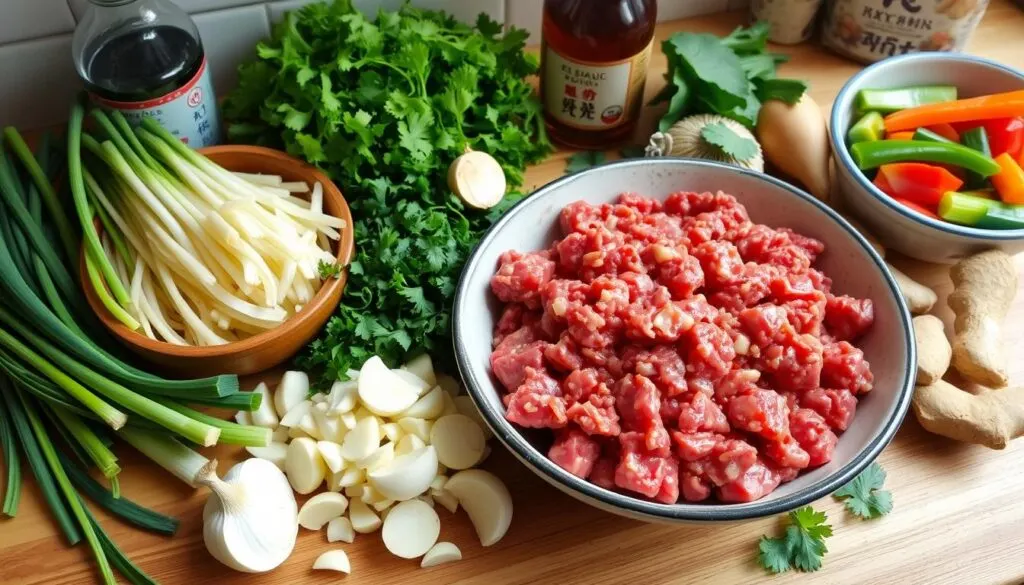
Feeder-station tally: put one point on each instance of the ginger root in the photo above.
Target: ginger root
(920, 299)
(933, 349)
(984, 287)
(991, 419)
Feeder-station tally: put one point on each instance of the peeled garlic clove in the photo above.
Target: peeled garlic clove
(321, 509)
(392, 431)
(364, 519)
(446, 499)
(296, 413)
(477, 179)
(265, 415)
(449, 404)
(382, 391)
(449, 384)
(331, 454)
(340, 530)
(344, 397)
(304, 465)
(408, 444)
(250, 520)
(423, 368)
(466, 406)
(411, 528)
(293, 389)
(416, 426)
(485, 499)
(428, 406)
(333, 560)
(275, 453)
(362, 440)
(413, 380)
(380, 457)
(407, 476)
(441, 553)
(459, 441)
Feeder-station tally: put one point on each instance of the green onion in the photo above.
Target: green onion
(125, 509)
(112, 305)
(230, 433)
(12, 493)
(98, 453)
(179, 460)
(133, 574)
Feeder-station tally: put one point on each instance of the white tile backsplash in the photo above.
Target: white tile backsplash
(229, 38)
(35, 40)
(31, 19)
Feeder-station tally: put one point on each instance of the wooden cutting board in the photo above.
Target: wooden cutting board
(957, 519)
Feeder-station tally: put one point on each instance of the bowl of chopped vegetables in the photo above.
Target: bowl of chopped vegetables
(233, 273)
(929, 154)
(679, 340)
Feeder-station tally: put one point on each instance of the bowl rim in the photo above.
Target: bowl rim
(346, 249)
(679, 512)
(837, 137)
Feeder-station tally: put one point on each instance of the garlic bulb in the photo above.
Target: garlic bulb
(251, 519)
(686, 138)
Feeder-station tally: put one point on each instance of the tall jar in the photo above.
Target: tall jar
(144, 58)
(871, 30)
(594, 58)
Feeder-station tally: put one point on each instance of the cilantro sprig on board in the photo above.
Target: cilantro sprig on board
(384, 105)
(803, 545)
(864, 496)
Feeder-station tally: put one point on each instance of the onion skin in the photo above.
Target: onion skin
(795, 140)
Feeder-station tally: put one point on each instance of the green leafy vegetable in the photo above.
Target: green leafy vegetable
(329, 270)
(864, 495)
(731, 143)
(384, 105)
(729, 76)
(801, 548)
(583, 160)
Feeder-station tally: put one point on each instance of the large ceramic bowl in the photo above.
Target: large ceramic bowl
(269, 348)
(898, 227)
(851, 263)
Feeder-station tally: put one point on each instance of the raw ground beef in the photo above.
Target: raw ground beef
(678, 350)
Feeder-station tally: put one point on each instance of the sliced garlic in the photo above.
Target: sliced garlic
(280, 435)
(423, 368)
(408, 444)
(331, 454)
(382, 391)
(328, 426)
(296, 433)
(467, 407)
(429, 406)
(392, 431)
(344, 396)
(275, 453)
(333, 560)
(293, 389)
(416, 426)
(407, 475)
(382, 505)
(334, 481)
(441, 553)
(446, 499)
(321, 509)
(449, 384)
(364, 519)
(304, 466)
(361, 440)
(411, 528)
(242, 417)
(295, 413)
(459, 441)
(413, 380)
(352, 476)
(340, 530)
(309, 426)
(449, 405)
(380, 457)
(348, 420)
(486, 500)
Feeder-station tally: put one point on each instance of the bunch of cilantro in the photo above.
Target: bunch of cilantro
(728, 76)
(384, 106)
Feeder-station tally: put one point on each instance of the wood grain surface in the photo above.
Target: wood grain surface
(958, 515)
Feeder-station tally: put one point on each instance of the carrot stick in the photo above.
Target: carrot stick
(999, 105)
(946, 131)
(905, 135)
(1009, 182)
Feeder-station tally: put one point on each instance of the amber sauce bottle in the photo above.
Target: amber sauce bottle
(594, 58)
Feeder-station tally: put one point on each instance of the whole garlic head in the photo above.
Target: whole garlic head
(250, 521)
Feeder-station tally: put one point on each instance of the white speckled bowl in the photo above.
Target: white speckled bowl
(854, 267)
(896, 226)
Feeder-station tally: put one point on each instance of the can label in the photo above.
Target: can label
(189, 112)
(593, 96)
(871, 30)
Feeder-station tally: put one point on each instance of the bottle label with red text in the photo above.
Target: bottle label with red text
(593, 96)
(189, 112)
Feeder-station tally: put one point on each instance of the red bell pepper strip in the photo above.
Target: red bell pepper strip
(918, 182)
(883, 185)
(918, 208)
(946, 131)
(1004, 134)
(987, 107)
(1009, 182)
(905, 135)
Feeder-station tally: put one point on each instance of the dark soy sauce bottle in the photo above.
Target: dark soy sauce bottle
(144, 58)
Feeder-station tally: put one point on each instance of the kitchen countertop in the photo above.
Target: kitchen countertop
(957, 515)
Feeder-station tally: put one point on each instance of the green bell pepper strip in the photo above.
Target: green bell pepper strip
(869, 155)
(980, 212)
(976, 139)
(892, 100)
(926, 135)
(870, 127)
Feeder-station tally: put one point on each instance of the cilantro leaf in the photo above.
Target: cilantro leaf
(583, 160)
(713, 66)
(728, 141)
(786, 90)
(864, 496)
(328, 269)
(801, 548)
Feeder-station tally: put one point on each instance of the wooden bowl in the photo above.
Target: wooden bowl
(264, 350)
